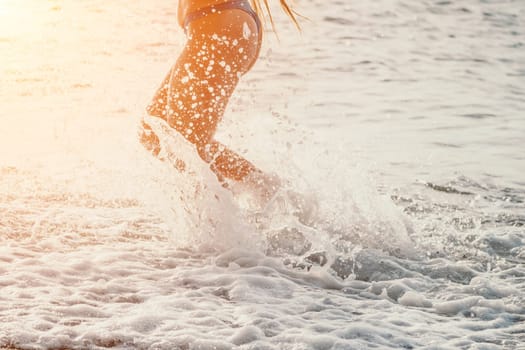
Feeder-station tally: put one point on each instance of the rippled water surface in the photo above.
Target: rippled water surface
(396, 126)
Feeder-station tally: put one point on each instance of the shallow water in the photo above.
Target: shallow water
(400, 122)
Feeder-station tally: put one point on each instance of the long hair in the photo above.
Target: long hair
(259, 4)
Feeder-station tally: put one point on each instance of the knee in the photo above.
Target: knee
(209, 150)
(201, 150)
(204, 151)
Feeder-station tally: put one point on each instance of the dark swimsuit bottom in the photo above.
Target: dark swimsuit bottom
(243, 5)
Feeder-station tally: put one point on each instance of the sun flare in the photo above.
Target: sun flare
(23, 20)
(6, 6)
(10, 17)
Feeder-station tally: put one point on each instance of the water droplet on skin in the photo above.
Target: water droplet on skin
(246, 32)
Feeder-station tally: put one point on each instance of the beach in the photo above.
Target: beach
(399, 125)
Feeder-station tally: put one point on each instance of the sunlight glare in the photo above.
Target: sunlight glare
(4, 8)
(19, 17)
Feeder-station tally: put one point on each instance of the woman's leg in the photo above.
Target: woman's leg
(194, 95)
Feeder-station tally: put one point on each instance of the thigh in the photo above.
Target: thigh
(233, 35)
(193, 96)
(197, 91)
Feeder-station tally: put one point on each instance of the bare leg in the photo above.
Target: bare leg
(194, 95)
(225, 161)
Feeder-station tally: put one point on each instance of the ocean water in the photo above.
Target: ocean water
(397, 128)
